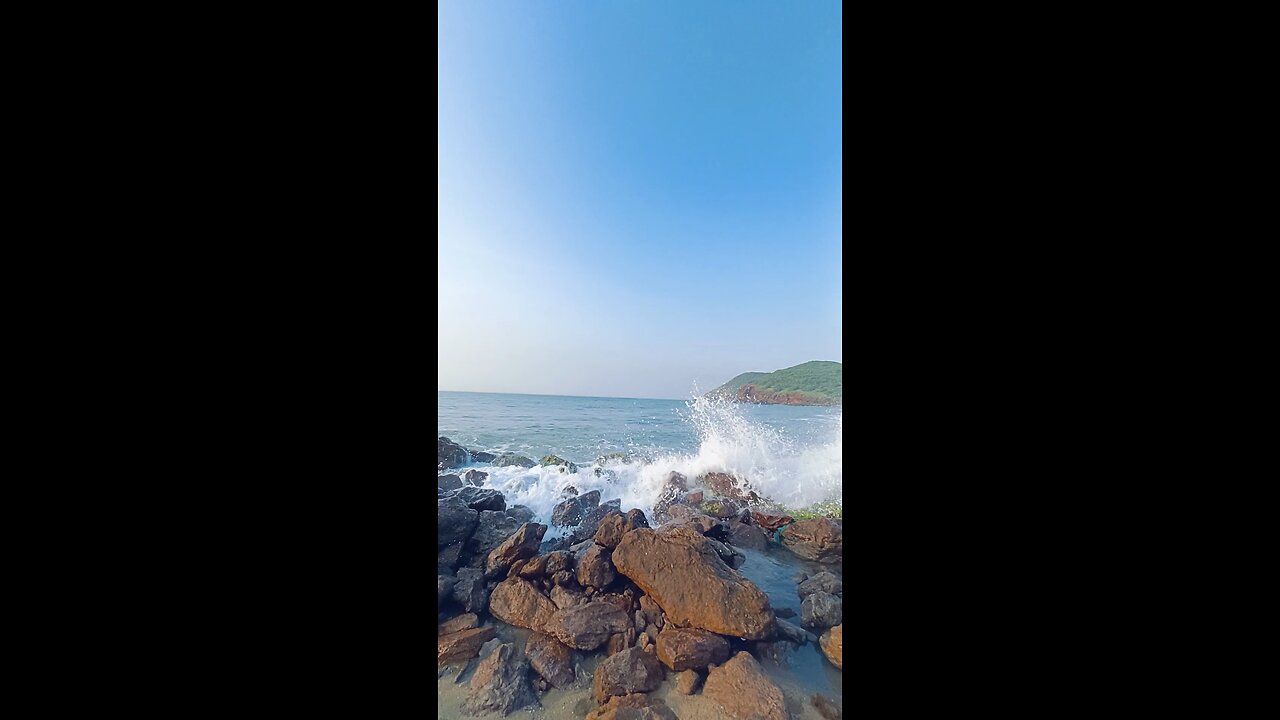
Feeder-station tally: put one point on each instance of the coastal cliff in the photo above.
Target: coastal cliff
(817, 382)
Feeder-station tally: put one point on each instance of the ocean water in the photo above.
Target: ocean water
(790, 454)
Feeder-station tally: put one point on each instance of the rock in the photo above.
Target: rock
(535, 568)
(694, 498)
(650, 610)
(826, 708)
(558, 560)
(568, 491)
(565, 465)
(514, 570)
(730, 556)
(790, 632)
(822, 582)
(611, 528)
(687, 648)
(550, 659)
(821, 610)
(687, 682)
(832, 645)
(521, 513)
(564, 577)
(636, 519)
(617, 643)
(482, 498)
(470, 591)
(652, 631)
(748, 536)
(448, 482)
(820, 539)
(451, 454)
(722, 508)
(572, 511)
(500, 683)
(622, 602)
(640, 623)
(567, 596)
(636, 706)
(450, 555)
(771, 522)
(517, 602)
(509, 459)
(455, 521)
(624, 457)
(784, 612)
(675, 480)
(742, 690)
(444, 588)
(673, 487)
(682, 572)
(476, 477)
(586, 626)
(492, 528)
(591, 521)
(683, 515)
(778, 653)
(643, 641)
(484, 457)
(462, 644)
(466, 621)
(630, 671)
(522, 544)
(595, 568)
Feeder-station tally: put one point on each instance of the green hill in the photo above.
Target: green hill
(818, 382)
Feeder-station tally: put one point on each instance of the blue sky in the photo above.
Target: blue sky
(635, 197)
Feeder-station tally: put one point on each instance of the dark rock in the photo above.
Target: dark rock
(480, 456)
(466, 621)
(832, 645)
(617, 643)
(522, 544)
(521, 513)
(675, 480)
(650, 610)
(470, 590)
(821, 610)
(518, 602)
(595, 568)
(550, 659)
(826, 708)
(778, 653)
(444, 588)
(621, 602)
(558, 560)
(822, 582)
(784, 612)
(448, 482)
(731, 556)
(695, 588)
(509, 459)
(450, 555)
(605, 473)
(565, 465)
(742, 690)
(794, 633)
(572, 511)
(567, 595)
(637, 706)
(587, 626)
(482, 498)
(748, 536)
(451, 454)
(475, 477)
(455, 521)
(683, 515)
(591, 522)
(462, 644)
(492, 528)
(687, 648)
(564, 577)
(514, 569)
(820, 539)
(630, 671)
(500, 683)
(569, 491)
(722, 508)
(687, 682)
(636, 519)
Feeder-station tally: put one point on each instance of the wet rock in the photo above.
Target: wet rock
(444, 588)
(483, 457)
(482, 498)
(550, 659)
(510, 459)
(610, 531)
(462, 644)
(694, 498)
(630, 671)
(448, 483)
(731, 556)
(748, 536)
(784, 612)
(595, 568)
(475, 478)
(687, 648)
(470, 590)
(821, 610)
(794, 633)
(722, 508)
(832, 645)
(591, 521)
(742, 690)
(450, 555)
(636, 519)
(455, 521)
(450, 454)
(771, 522)
(682, 572)
(819, 539)
(568, 595)
(822, 582)
(521, 513)
(466, 621)
(636, 706)
(586, 626)
(492, 528)
(564, 465)
(825, 707)
(684, 516)
(687, 682)
(500, 683)
(606, 473)
(522, 544)
(517, 602)
(572, 511)
(728, 486)
(778, 653)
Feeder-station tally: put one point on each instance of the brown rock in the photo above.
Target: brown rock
(610, 530)
(682, 572)
(558, 561)
(687, 648)
(643, 640)
(522, 544)
(826, 708)
(563, 577)
(726, 485)
(771, 522)
(550, 659)
(820, 539)
(821, 610)
(630, 671)
(694, 498)
(534, 567)
(617, 643)
(687, 682)
(462, 644)
(465, 621)
(500, 684)
(516, 567)
(652, 631)
(636, 706)
(595, 568)
(518, 602)
(636, 519)
(822, 582)
(622, 602)
(832, 645)
(567, 596)
(587, 627)
(743, 691)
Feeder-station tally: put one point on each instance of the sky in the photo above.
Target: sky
(636, 199)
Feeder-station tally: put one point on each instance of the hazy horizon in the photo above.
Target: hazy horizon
(636, 200)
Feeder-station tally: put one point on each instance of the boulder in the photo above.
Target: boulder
(455, 522)
(517, 602)
(573, 510)
(742, 690)
(636, 519)
(694, 498)
(509, 459)
(586, 626)
(722, 508)
(682, 572)
(448, 483)
(475, 477)
(550, 659)
(521, 513)
(792, 633)
(595, 568)
(731, 556)
(500, 683)
(748, 536)
(591, 521)
(832, 645)
(728, 486)
(687, 682)
(629, 671)
(466, 621)
(567, 595)
(637, 706)
(564, 465)
(444, 588)
(771, 522)
(825, 707)
(462, 645)
(492, 527)
(617, 643)
(450, 454)
(688, 648)
(821, 610)
(522, 544)
(819, 539)
(470, 591)
(652, 613)
(482, 498)
(784, 612)
(479, 456)
(611, 528)
(558, 560)
(449, 556)
(685, 516)
(822, 582)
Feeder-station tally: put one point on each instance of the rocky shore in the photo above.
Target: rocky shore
(626, 604)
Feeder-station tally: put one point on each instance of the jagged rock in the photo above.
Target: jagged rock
(444, 588)
(728, 486)
(629, 671)
(568, 594)
(572, 511)
(687, 682)
(748, 536)
(822, 582)
(500, 683)
(558, 560)
(564, 577)
(685, 516)
(550, 659)
(475, 477)
(722, 508)
(820, 539)
(535, 568)
(509, 459)
(513, 571)
(470, 590)
(451, 454)
(492, 527)
(636, 519)
(482, 498)
(484, 457)
(688, 648)
(742, 690)
(564, 465)
(462, 644)
(675, 480)
(448, 483)
(521, 513)
(821, 610)
(517, 602)
(778, 653)
(455, 521)
(637, 706)
(586, 626)
(591, 521)
(466, 621)
(826, 708)
(832, 645)
(522, 544)
(771, 522)
(682, 572)
(595, 568)
(450, 555)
